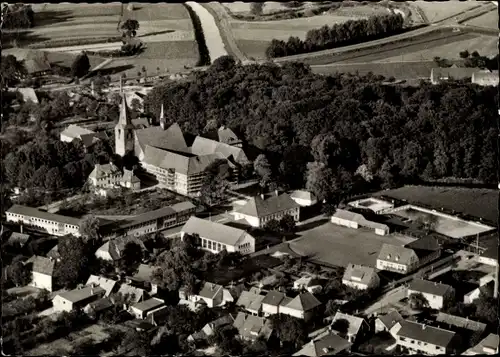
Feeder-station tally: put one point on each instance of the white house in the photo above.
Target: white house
(436, 294)
(257, 211)
(42, 272)
(487, 346)
(303, 198)
(107, 284)
(77, 299)
(105, 175)
(215, 237)
(144, 308)
(302, 306)
(355, 220)
(357, 326)
(387, 322)
(308, 283)
(327, 343)
(212, 294)
(397, 259)
(360, 277)
(136, 294)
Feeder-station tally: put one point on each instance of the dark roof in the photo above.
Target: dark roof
(78, 295)
(257, 207)
(420, 332)
(158, 317)
(326, 344)
(390, 319)
(461, 322)
(169, 139)
(33, 212)
(429, 287)
(156, 214)
(426, 243)
(304, 302)
(129, 176)
(149, 304)
(42, 265)
(101, 304)
(248, 298)
(18, 239)
(273, 298)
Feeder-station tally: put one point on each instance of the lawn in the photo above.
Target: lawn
(480, 203)
(339, 246)
(488, 20)
(239, 7)
(437, 11)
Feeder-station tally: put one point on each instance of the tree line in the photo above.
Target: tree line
(343, 34)
(341, 134)
(17, 16)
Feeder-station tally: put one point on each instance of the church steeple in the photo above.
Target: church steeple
(163, 121)
(124, 112)
(124, 130)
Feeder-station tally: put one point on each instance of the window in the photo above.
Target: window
(402, 339)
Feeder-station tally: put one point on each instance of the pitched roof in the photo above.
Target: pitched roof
(247, 298)
(426, 243)
(359, 273)
(149, 304)
(273, 298)
(170, 139)
(54, 253)
(488, 345)
(217, 232)
(158, 317)
(303, 195)
(129, 176)
(42, 265)
(90, 139)
(304, 302)
(183, 206)
(159, 213)
(203, 146)
(359, 218)
(429, 287)
(257, 207)
(36, 65)
(140, 123)
(75, 131)
(28, 94)
(18, 239)
(78, 295)
(326, 344)
(227, 136)
(33, 212)
(124, 118)
(424, 333)
(390, 319)
(106, 170)
(137, 293)
(101, 304)
(395, 253)
(460, 322)
(250, 326)
(209, 290)
(106, 284)
(354, 322)
(116, 246)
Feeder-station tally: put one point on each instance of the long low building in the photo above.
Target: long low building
(55, 224)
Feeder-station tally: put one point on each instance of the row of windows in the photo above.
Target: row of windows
(40, 220)
(244, 246)
(420, 343)
(278, 216)
(208, 244)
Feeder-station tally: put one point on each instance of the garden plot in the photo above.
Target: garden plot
(488, 20)
(437, 11)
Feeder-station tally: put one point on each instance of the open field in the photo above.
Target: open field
(59, 58)
(480, 203)
(339, 246)
(488, 20)
(240, 7)
(437, 11)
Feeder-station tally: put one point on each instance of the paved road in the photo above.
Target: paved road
(390, 298)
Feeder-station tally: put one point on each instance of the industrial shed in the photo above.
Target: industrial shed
(355, 220)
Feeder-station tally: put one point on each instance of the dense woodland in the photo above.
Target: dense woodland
(342, 34)
(17, 16)
(326, 132)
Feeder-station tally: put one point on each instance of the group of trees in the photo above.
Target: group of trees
(12, 71)
(80, 66)
(17, 16)
(320, 130)
(216, 183)
(347, 33)
(471, 60)
(285, 225)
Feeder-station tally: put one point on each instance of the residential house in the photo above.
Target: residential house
(215, 237)
(95, 308)
(303, 198)
(144, 276)
(485, 78)
(107, 175)
(77, 298)
(212, 294)
(439, 75)
(51, 223)
(426, 248)
(42, 272)
(271, 303)
(424, 339)
(35, 61)
(251, 327)
(354, 220)
(251, 301)
(142, 309)
(308, 283)
(54, 254)
(360, 277)
(387, 322)
(130, 180)
(397, 259)
(18, 241)
(303, 306)
(325, 344)
(157, 317)
(136, 294)
(107, 284)
(28, 94)
(210, 327)
(257, 211)
(224, 135)
(487, 346)
(112, 250)
(435, 293)
(86, 136)
(357, 326)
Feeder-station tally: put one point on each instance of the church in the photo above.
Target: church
(164, 153)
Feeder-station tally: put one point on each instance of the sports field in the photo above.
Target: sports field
(339, 246)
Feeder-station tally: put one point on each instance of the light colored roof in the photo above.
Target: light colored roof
(131, 290)
(28, 94)
(106, 170)
(354, 322)
(486, 74)
(159, 213)
(390, 319)
(203, 146)
(183, 206)
(420, 332)
(78, 295)
(429, 287)
(359, 273)
(36, 65)
(250, 326)
(217, 232)
(75, 131)
(326, 344)
(489, 345)
(257, 207)
(359, 218)
(116, 246)
(303, 195)
(33, 212)
(209, 290)
(304, 302)
(18, 238)
(273, 298)
(395, 253)
(149, 304)
(129, 176)
(42, 265)
(227, 136)
(106, 284)
(461, 322)
(170, 139)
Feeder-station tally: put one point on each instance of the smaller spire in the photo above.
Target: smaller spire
(163, 121)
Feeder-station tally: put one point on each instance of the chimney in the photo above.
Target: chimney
(21, 228)
(92, 290)
(262, 195)
(276, 192)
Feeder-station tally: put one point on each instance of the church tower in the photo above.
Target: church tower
(163, 121)
(124, 130)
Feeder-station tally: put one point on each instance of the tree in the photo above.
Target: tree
(287, 224)
(256, 8)
(216, 183)
(464, 54)
(418, 301)
(290, 330)
(263, 169)
(135, 343)
(74, 261)
(341, 326)
(80, 66)
(273, 226)
(130, 27)
(225, 339)
(12, 71)
(131, 258)
(19, 273)
(89, 228)
(136, 105)
(320, 180)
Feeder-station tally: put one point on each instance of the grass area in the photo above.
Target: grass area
(239, 7)
(339, 246)
(377, 343)
(488, 20)
(170, 50)
(439, 10)
(481, 203)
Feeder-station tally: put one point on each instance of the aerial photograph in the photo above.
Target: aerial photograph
(250, 178)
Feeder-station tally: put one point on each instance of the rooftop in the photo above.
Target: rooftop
(429, 287)
(78, 295)
(209, 290)
(42, 265)
(304, 302)
(35, 213)
(106, 284)
(487, 346)
(354, 322)
(149, 304)
(420, 332)
(395, 253)
(326, 344)
(251, 327)
(302, 194)
(258, 207)
(359, 273)
(461, 322)
(273, 298)
(390, 319)
(136, 293)
(101, 304)
(75, 131)
(214, 231)
(18, 239)
(170, 139)
(359, 218)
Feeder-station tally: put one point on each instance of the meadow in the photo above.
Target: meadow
(436, 11)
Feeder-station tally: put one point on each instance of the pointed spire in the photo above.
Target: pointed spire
(163, 122)
(124, 112)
